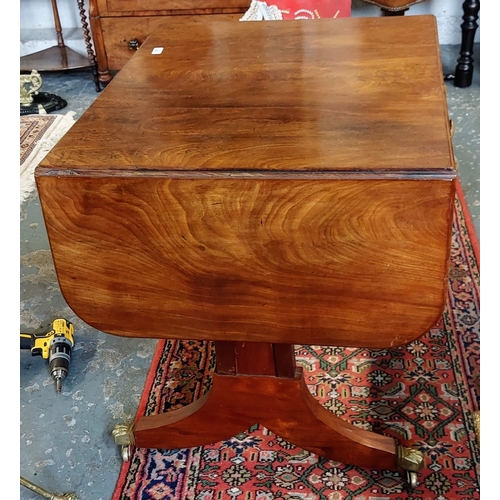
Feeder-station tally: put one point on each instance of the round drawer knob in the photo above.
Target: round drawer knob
(134, 44)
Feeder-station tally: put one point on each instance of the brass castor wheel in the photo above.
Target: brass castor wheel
(411, 480)
(411, 461)
(124, 437)
(126, 453)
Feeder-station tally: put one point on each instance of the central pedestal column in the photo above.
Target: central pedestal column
(260, 383)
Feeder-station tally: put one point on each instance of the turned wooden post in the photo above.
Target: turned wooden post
(465, 66)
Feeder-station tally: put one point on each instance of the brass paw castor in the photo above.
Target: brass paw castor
(124, 437)
(411, 461)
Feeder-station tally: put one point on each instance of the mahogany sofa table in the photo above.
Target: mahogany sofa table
(260, 185)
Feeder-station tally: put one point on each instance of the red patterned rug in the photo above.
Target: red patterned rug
(425, 393)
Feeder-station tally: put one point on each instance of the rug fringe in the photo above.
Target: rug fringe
(61, 125)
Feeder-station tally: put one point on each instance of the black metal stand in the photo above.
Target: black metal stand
(44, 101)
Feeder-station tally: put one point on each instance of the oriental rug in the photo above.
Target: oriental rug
(39, 134)
(425, 394)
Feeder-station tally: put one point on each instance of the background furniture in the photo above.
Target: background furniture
(60, 57)
(394, 7)
(465, 63)
(119, 27)
(465, 66)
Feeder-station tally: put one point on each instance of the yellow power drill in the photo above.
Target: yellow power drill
(56, 345)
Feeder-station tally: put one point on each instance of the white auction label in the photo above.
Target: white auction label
(157, 50)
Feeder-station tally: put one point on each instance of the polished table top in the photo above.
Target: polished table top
(332, 94)
(269, 181)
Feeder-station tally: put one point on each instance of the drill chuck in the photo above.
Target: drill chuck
(59, 359)
(56, 345)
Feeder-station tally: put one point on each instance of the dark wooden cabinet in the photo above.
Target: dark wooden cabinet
(119, 27)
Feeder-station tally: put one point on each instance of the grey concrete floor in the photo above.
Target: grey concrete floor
(65, 439)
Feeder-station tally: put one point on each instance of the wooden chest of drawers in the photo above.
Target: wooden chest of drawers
(119, 27)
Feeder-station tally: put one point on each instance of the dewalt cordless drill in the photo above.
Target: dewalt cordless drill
(56, 345)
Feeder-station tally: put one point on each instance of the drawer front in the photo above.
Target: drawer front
(122, 34)
(149, 6)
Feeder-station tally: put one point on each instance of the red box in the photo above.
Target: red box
(313, 9)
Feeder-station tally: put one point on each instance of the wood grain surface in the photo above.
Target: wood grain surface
(350, 94)
(283, 405)
(336, 262)
(155, 7)
(286, 182)
(117, 32)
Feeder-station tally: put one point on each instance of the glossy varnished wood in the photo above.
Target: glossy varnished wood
(274, 182)
(261, 185)
(260, 383)
(283, 405)
(328, 95)
(117, 22)
(330, 262)
(117, 32)
(158, 7)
